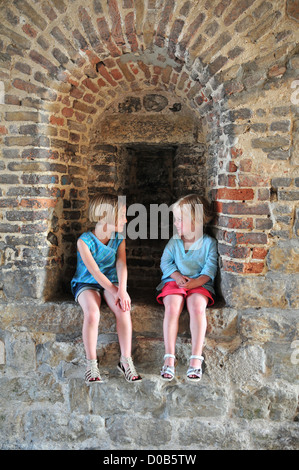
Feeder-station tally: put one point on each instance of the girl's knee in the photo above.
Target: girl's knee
(92, 315)
(172, 312)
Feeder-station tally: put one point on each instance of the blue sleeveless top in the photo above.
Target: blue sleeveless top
(104, 256)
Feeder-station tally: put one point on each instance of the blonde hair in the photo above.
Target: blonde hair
(104, 207)
(193, 201)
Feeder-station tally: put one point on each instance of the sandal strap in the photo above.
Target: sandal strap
(194, 371)
(169, 370)
(92, 372)
(201, 358)
(169, 355)
(129, 372)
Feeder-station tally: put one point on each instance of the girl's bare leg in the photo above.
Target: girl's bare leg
(90, 302)
(173, 307)
(196, 305)
(123, 325)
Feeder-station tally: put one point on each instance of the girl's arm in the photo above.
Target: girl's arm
(209, 270)
(196, 282)
(93, 268)
(122, 274)
(169, 267)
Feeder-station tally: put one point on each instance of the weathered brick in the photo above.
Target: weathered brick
(28, 11)
(253, 180)
(235, 222)
(116, 22)
(259, 253)
(126, 72)
(243, 208)
(253, 268)
(16, 38)
(251, 238)
(60, 37)
(235, 194)
(106, 75)
(44, 62)
(238, 8)
(164, 20)
(232, 266)
(106, 37)
(90, 31)
(130, 31)
(176, 29)
(233, 252)
(78, 105)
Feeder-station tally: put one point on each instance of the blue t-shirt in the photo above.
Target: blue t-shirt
(104, 256)
(200, 259)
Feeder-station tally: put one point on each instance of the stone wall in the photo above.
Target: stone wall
(214, 84)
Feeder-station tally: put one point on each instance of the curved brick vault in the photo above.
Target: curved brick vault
(65, 64)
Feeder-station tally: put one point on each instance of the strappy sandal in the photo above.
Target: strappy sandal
(92, 374)
(194, 374)
(168, 370)
(129, 372)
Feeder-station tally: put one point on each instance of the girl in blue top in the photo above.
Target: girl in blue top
(189, 267)
(102, 270)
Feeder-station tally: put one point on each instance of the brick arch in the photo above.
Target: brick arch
(64, 63)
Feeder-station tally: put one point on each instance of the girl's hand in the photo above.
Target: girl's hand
(192, 283)
(123, 299)
(180, 279)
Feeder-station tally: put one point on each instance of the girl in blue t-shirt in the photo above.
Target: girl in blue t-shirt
(102, 271)
(189, 266)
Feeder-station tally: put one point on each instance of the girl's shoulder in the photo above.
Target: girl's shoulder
(89, 238)
(209, 240)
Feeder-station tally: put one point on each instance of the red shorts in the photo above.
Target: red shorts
(172, 288)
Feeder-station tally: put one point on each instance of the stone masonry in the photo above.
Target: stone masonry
(94, 95)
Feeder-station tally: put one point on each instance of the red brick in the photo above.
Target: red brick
(235, 222)
(251, 238)
(89, 98)
(239, 208)
(3, 130)
(58, 121)
(232, 167)
(253, 268)
(130, 31)
(145, 69)
(38, 203)
(116, 22)
(125, 70)
(232, 266)
(253, 180)
(67, 112)
(29, 30)
(259, 253)
(106, 75)
(90, 85)
(106, 37)
(233, 251)
(76, 93)
(116, 74)
(235, 194)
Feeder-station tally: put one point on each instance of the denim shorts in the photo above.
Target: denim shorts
(82, 286)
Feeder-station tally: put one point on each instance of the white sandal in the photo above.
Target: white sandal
(92, 374)
(195, 372)
(168, 370)
(129, 372)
